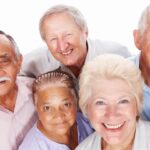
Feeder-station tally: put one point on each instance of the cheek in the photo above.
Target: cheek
(12, 71)
(131, 111)
(43, 117)
(94, 116)
(72, 113)
(51, 45)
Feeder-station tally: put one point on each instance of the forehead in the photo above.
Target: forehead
(109, 87)
(60, 19)
(48, 92)
(6, 46)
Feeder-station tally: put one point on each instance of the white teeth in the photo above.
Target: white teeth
(66, 53)
(113, 126)
(2, 79)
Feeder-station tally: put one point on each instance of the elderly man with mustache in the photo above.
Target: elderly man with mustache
(17, 114)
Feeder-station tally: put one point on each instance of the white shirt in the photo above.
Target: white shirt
(141, 141)
(14, 125)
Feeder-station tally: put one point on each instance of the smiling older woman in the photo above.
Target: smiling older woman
(112, 102)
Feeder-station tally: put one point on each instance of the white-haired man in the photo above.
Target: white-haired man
(142, 60)
(17, 113)
(65, 32)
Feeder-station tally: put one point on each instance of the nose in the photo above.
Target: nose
(62, 44)
(59, 113)
(111, 112)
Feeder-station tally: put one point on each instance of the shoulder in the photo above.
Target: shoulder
(84, 127)
(23, 81)
(143, 125)
(41, 51)
(31, 140)
(142, 135)
(135, 58)
(37, 62)
(142, 130)
(82, 120)
(102, 47)
(89, 142)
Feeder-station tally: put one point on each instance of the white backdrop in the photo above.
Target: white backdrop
(107, 19)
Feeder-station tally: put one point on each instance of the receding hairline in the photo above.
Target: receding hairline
(10, 42)
(73, 12)
(144, 18)
(7, 42)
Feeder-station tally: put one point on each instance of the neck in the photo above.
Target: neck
(124, 145)
(70, 138)
(106, 146)
(75, 70)
(145, 69)
(8, 101)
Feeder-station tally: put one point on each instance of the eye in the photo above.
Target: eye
(68, 35)
(53, 39)
(67, 104)
(5, 61)
(124, 101)
(46, 108)
(100, 102)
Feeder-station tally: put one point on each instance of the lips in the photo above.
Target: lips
(67, 52)
(113, 126)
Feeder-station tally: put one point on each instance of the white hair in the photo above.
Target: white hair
(72, 11)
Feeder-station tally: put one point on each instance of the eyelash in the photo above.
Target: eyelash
(46, 108)
(100, 102)
(124, 101)
(67, 104)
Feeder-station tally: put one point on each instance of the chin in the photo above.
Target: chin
(69, 62)
(62, 131)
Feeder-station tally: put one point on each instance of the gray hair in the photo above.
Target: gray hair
(13, 43)
(54, 78)
(143, 19)
(72, 11)
(110, 66)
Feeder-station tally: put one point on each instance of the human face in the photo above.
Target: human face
(142, 42)
(112, 111)
(56, 110)
(9, 67)
(65, 40)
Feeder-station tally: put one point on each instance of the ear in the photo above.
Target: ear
(87, 32)
(137, 38)
(19, 62)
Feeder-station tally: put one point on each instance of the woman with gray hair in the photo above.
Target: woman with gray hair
(112, 102)
(60, 126)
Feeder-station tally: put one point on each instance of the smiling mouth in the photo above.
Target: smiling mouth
(67, 52)
(113, 126)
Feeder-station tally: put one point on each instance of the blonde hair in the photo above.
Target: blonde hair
(110, 66)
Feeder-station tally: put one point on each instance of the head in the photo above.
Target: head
(64, 30)
(113, 100)
(10, 63)
(142, 37)
(55, 100)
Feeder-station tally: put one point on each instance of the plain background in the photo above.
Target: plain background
(112, 20)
